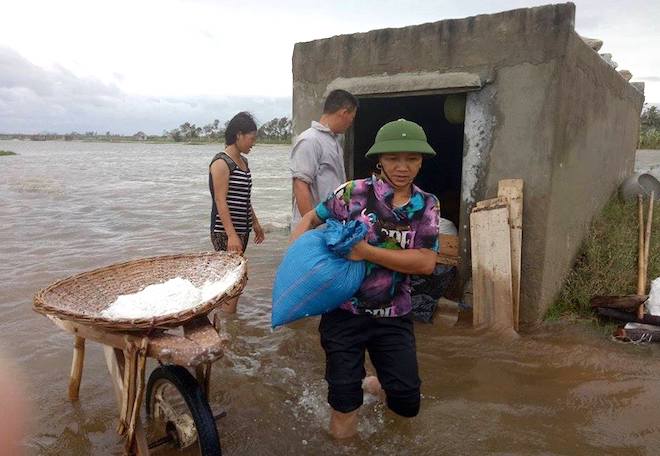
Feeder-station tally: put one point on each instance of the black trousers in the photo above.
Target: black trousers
(391, 345)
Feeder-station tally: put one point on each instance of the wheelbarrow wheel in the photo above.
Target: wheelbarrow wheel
(179, 412)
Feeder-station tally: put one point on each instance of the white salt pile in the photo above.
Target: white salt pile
(213, 289)
(175, 295)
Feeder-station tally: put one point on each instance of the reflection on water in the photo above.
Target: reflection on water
(70, 207)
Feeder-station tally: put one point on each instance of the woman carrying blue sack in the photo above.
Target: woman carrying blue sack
(402, 239)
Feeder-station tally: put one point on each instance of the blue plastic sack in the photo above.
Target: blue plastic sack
(314, 277)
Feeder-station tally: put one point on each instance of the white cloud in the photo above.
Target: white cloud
(102, 51)
(33, 99)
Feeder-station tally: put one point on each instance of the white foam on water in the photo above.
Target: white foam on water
(312, 406)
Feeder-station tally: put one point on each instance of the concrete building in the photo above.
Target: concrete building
(538, 102)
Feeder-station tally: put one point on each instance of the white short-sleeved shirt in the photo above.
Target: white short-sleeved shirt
(318, 159)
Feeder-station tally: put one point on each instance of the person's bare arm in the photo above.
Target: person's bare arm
(220, 174)
(409, 261)
(259, 235)
(303, 195)
(310, 220)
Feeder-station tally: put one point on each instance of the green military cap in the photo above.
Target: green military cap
(400, 136)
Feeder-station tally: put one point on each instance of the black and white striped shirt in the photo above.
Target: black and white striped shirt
(238, 197)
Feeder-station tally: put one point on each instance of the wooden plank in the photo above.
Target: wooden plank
(491, 267)
(114, 360)
(448, 244)
(641, 273)
(448, 250)
(128, 388)
(512, 191)
(625, 302)
(647, 239)
(490, 203)
(141, 362)
(167, 348)
(201, 331)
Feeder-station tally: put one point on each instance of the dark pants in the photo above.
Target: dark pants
(391, 346)
(219, 240)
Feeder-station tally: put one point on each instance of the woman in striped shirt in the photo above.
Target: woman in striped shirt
(230, 183)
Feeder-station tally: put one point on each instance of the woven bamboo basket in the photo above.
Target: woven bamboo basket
(82, 297)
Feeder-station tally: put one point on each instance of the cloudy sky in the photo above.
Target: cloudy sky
(128, 65)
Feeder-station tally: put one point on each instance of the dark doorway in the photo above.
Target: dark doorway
(440, 175)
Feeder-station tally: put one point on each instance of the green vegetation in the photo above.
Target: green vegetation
(6, 152)
(607, 262)
(649, 131)
(275, 131)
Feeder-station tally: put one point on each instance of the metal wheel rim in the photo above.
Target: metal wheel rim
(171, 415)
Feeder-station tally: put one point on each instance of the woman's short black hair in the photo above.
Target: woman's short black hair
(243, 122)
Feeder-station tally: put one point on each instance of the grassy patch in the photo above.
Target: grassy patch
(607, 262)
(649, 139)
(6, 152)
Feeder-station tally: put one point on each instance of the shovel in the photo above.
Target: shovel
(633, 303)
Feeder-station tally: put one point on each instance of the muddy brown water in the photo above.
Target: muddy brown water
(565, 389)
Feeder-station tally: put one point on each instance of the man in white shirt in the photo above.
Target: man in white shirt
(317, 157)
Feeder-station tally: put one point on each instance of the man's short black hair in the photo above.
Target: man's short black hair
(340, 99)
(243, 122)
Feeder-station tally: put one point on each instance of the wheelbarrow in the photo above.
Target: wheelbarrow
(177, 410)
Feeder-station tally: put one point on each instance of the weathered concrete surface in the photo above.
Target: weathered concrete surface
(550, 111)
(480, 123)
(406, 83)
(475, 45)
(523, 146)
(596, 134)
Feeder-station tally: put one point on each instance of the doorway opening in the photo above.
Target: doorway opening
(440, 175)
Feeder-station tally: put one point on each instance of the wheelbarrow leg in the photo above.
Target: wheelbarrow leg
(76, 368)
(202, 330)
(114, 359)
(203, 375)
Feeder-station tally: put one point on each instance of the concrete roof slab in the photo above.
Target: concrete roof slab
(407, 83)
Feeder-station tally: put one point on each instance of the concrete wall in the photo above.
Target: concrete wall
(569, 128)
(550, 112)
(478, 44)
(594, 150)
(522, 147)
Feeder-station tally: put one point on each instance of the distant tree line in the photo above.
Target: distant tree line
(86, 136)
(649, 131)
(277, 130)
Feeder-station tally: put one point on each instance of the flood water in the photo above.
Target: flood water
(565, 389)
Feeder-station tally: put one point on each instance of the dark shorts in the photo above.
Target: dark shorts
(391, 345)
(219, 240)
